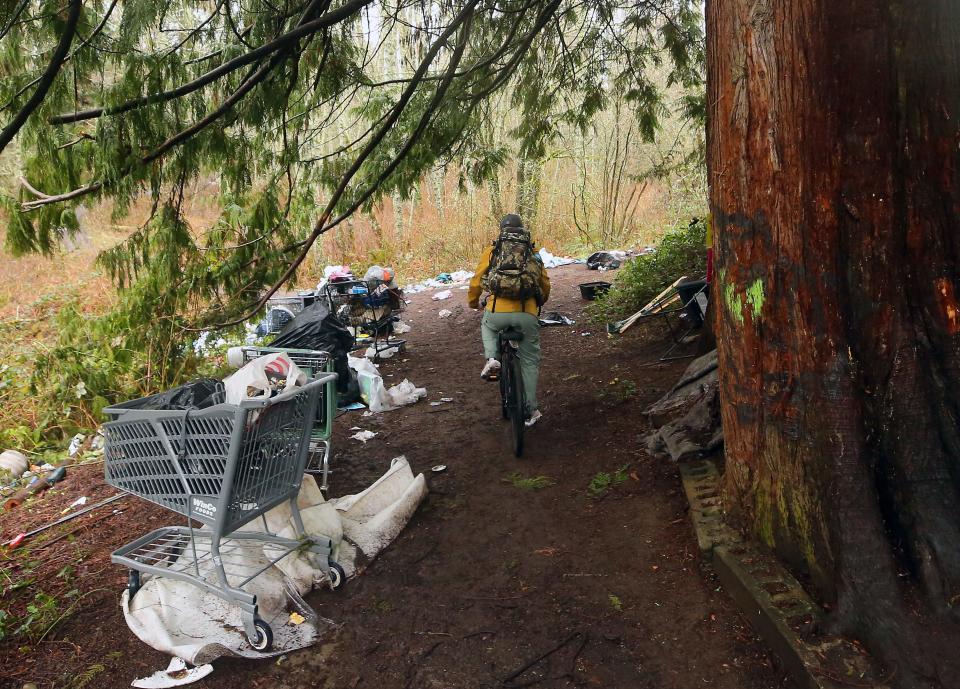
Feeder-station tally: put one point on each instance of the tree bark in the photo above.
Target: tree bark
(834, 152)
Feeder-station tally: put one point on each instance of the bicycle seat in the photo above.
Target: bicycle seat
(511, 335)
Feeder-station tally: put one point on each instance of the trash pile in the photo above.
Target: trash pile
(458, 278)
(231, 455)
(19, 479)
(606, 260)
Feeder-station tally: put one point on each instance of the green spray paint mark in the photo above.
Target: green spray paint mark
(734, 302)
(755, 298)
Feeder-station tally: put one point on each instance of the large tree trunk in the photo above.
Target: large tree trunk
(834, 152)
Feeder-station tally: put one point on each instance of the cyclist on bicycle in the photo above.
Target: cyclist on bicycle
(513, 275)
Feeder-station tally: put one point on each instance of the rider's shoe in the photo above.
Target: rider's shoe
(534, 417)
(491, 370)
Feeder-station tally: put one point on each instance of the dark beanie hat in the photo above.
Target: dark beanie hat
(511, 220)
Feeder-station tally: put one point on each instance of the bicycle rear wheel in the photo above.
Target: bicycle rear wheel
(517, 405)
(505, 388)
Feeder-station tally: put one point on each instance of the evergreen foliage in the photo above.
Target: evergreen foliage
(285, 103)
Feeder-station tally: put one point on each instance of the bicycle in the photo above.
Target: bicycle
(513, 402)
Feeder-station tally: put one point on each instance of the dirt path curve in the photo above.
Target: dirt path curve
(489, 576)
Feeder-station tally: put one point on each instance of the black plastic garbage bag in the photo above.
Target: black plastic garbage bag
(317, 328)
(197, 394)
(607, 260)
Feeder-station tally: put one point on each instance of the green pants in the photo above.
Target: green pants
(529, 353)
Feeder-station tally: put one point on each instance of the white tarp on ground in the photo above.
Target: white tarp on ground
(183, 620)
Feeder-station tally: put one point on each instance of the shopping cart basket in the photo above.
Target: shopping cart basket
(314, 363)
(223, 467)
(370, 307)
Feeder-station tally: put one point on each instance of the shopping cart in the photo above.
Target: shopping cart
(314, 363)
(371, 308)
(223, 467)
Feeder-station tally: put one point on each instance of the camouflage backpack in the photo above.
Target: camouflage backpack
(515, 270)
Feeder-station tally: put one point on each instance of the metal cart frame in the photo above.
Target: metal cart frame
(314, 363)
(223, 467)
(357, 309)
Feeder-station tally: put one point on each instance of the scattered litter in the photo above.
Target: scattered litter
(21, 537)
(446, 399)
(353, 406)
(399, 327)
(440, 296)
(552, 261)
(37, 484)
(437, 469)
(363, 436)
(176, 675)
(585, 334)
(75, 444)
(79, 502)
(445, 313)
(297, 618)
(385, 353)
(406, 393)
(457, 277)
(555, 318)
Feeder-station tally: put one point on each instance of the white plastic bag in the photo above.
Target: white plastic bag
(371, 384)
(405, 393)
(262, 377)
(373, 392)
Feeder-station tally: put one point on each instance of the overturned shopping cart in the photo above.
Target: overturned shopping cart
(223, 467)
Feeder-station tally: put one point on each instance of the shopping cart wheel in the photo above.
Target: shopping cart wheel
(133, 584)
(337, 575)
(264, 639)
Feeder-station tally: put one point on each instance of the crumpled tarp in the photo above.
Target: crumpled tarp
(182, 620)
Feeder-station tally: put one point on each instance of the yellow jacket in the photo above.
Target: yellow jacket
(504, 305)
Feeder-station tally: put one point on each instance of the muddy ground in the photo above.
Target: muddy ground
(489, 575)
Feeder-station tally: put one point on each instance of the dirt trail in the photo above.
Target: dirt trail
(489, 576)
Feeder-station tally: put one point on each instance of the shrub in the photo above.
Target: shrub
(682, 251)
